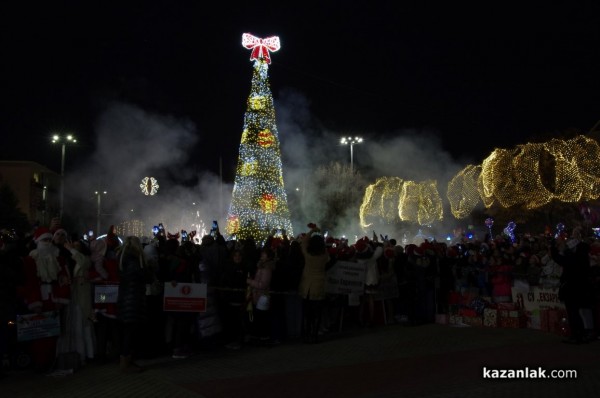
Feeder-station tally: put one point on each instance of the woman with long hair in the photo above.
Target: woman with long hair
(131, 303)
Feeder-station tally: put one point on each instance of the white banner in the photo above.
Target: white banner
(346, 278)
(536, 298)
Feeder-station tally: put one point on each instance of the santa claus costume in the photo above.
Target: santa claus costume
(46, 288)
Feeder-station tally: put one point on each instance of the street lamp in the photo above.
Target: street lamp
(63, 140)
(351, 141)
(99, 196)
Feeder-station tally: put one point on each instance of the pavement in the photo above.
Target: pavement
(381, 362)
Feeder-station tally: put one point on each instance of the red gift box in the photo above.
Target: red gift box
(467, 312)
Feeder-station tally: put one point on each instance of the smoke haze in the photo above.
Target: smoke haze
(133, 143)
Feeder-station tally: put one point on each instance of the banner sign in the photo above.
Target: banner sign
(536, 297)
(185, 297)
(106, 294)
(37, 326)
(346, 278)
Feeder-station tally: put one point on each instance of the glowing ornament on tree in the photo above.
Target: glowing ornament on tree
(268, 203)
(257, 102)
(233, 225)
(149, 186)
(249, 168)
(266, 138)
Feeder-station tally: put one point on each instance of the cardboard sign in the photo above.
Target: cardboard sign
(346, 278)
(37, 326)
(185, 297)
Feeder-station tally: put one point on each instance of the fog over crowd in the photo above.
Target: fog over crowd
(132, 143)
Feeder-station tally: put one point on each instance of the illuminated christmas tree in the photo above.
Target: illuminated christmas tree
(259, 202)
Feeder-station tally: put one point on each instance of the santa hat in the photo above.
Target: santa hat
(389, 252)
(41, 233)
(362, 245)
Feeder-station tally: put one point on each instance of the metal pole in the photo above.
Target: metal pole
(62, 182)
(98, 216)
(351, 157)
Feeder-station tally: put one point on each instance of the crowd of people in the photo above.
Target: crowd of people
(108, 293)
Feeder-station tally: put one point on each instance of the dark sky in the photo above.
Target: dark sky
(483, 77)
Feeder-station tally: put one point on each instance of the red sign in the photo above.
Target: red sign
(185, 297)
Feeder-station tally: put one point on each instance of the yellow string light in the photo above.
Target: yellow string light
(391, 199)
(463, 194)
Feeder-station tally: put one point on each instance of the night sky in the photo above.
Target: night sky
(479, 78)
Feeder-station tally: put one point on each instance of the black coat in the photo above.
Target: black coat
(131, 303)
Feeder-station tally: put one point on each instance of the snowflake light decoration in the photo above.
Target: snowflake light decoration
(149, 186)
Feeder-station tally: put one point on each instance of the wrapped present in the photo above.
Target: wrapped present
(511, 319)
(455, 320)
(506, 306)
(490, 317)
(514, 314)
(441, 319)
(467, 312)
(544, 314)
(454, 298)
(469, 294)
(453, 309)
(473, 320)
(533, 319)
(512, 323)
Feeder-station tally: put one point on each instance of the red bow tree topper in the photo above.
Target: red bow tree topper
(260, 47)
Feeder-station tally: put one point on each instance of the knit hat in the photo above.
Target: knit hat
(41, 233)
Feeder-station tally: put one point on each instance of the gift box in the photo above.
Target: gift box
(506, 306)
(441, 319)
(455, 320)
(490, 318)
(533, 319)
(454, 298)
(467, 312)
(453, 309)
(473, 320)
(544, 314)
(511, 319)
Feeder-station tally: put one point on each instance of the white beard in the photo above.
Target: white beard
(46, 262)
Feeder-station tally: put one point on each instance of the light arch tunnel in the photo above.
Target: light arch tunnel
(530, 175)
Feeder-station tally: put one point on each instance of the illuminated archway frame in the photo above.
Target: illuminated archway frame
(149, 186)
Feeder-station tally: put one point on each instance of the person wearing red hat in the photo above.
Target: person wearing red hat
(46, 288)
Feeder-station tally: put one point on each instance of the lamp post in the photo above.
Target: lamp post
(63, 140)
(351, 141)
(99, 196)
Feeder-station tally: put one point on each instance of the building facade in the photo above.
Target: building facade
(36, 187)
